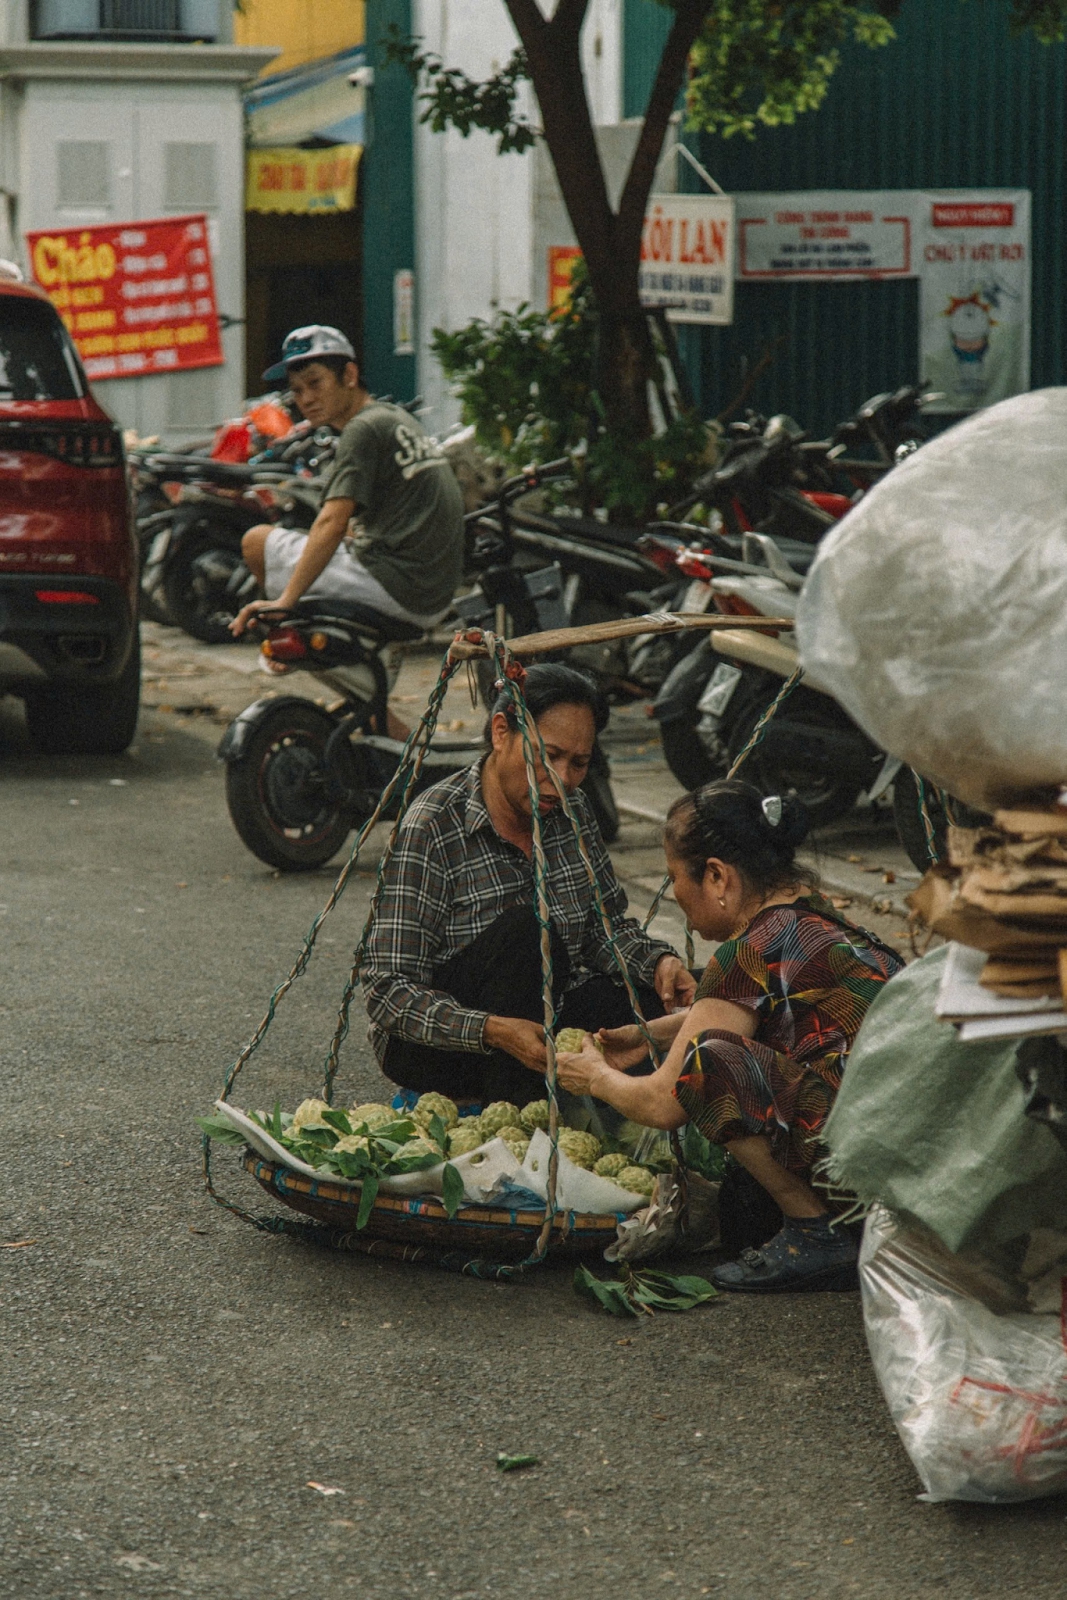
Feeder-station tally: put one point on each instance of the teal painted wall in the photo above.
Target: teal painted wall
(953, 103)
(388, 205)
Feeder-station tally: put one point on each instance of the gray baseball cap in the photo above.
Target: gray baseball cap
(304, 344)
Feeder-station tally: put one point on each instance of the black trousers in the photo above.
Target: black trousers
(501, 973)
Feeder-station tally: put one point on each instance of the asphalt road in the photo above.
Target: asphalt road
(174, 1381)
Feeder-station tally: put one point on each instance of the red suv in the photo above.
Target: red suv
(68, 564)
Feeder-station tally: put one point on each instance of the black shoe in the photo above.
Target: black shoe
(808, 1254)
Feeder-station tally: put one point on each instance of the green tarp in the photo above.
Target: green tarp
(935, 1129)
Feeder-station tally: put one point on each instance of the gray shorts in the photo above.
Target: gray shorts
(344, 578)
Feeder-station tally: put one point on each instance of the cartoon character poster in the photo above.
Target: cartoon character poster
(974, 295)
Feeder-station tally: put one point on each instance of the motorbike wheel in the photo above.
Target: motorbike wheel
(911, 830)
(826, 797)
(686, 756)
(596, 786)
(278, 792)
(197, 591)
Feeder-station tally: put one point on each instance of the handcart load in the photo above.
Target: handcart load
(936, 611)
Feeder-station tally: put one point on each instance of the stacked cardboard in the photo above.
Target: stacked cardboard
(1002, 900)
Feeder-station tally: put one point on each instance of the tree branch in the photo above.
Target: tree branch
(530, 22)
(569, 16)
(670, 75)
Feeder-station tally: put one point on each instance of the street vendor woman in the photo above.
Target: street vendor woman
(452, 975)
(757, 1061)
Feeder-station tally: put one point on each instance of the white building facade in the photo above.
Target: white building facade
(484, 222)
(122, 111)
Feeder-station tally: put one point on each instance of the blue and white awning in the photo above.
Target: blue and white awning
(310, 102)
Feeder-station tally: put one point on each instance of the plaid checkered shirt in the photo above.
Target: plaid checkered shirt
(450, 878)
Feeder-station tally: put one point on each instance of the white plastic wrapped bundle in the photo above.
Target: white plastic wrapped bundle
(936, 612)
(977, 1389)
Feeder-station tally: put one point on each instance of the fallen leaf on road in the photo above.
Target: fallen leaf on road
(323, 1488)
(198, 1230)
(135, 1563)
(889, 877)
(515, 1463)
(18, 1244)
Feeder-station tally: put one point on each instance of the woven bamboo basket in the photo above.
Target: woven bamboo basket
(421, 1220)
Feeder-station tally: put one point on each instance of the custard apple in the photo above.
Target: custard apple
(535, 1115)
(350, 1144)
(610, 1166)
(516, 1141)
(570, 1041)
(465, 1138)
(501, 1114)
(637, 1179)
(373, 1113)
(435, 1105)
(581, 1148)
(308, 1114)
(419, 1146)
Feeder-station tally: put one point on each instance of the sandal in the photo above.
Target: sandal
(808, 1254)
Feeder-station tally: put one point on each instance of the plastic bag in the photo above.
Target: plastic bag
(658, 1227)
(936, 611)
(977, 1390)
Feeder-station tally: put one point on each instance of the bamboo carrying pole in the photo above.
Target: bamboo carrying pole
(539, 644)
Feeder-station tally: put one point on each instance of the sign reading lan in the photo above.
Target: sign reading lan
(687, 257)
(137, 297)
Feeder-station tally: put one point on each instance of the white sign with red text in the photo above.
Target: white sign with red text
(687, 257)
(816, 235)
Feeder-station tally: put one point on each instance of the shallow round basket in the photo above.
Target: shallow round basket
(422, 1220)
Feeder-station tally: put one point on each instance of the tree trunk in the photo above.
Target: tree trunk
(609, 241)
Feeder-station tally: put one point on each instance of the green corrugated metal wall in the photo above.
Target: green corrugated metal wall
(954, 103)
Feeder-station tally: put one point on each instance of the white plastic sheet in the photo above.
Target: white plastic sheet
(976, 1388)
(936, 611)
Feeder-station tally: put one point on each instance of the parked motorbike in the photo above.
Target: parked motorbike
(299, 778)
(193, 574)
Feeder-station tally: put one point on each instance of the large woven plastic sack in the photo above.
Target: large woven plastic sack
(978, 1394)
(936, 611)
(937, 1130)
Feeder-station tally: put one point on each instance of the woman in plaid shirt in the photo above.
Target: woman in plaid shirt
(452, 975)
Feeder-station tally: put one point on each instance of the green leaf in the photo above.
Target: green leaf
(219, 1129)
(515, 1463)
(610, 1296)
(660, 1291)
(338, 1120)
(451, 1189)
(438, 1132)
(367, 1199)
(274, 1126)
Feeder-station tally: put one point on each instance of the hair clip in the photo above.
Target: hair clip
(772, 809)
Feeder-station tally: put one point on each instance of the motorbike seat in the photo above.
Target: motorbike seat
(393, 629)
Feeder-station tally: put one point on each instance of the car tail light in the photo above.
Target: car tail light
(80, 445)
(285, 644)
(731, 605)
(66, 597)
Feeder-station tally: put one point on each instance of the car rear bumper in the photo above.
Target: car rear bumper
(53, 641)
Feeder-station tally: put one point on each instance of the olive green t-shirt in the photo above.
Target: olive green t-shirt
(409, 506)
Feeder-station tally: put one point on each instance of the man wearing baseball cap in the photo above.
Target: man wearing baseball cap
(404, 556)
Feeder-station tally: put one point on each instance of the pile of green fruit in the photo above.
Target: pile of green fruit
(372, 1141)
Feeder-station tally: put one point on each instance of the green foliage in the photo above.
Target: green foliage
(219, 1129)
(452, 100)
(1044, 18)
(756, 62)
(515, 1463)
(526, 383)
(635, 1294)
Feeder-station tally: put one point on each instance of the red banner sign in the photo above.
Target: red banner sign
(137, 297)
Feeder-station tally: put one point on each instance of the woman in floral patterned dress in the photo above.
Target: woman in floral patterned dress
(757, 1060)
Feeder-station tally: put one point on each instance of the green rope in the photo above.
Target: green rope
(927, 822)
